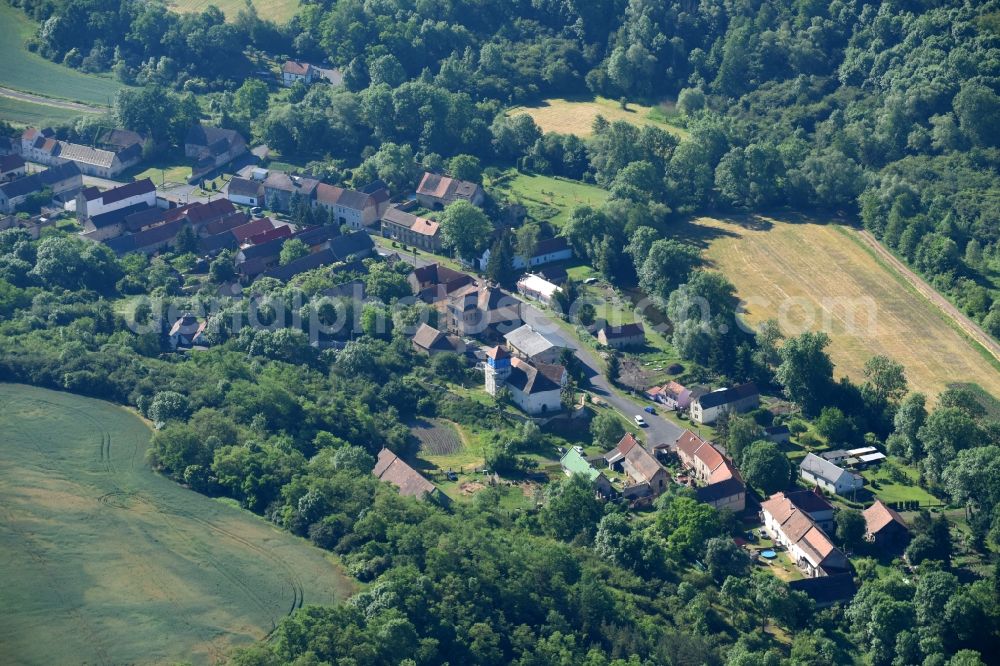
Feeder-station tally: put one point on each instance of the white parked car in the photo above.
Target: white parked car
(639, 421)
(578, 449)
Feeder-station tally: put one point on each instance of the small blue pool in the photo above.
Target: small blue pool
(768, 554)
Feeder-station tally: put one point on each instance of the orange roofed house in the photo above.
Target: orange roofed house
(723, 486)
(647, 477)
(808, 545)
(390, 467)
(885, 528)
(437, 191)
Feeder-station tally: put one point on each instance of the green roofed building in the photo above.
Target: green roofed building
(574, 463)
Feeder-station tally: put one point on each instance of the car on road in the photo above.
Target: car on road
(650, 410)
(257, 211)
(639, 421)
(578, 449)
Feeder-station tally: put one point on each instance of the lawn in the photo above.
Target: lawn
(20, 112)
(576, 115)
(278, 11)
(124, 565)
(165, 172)
(548, 198)
(30, 72)
(814, 276)
(896, 482)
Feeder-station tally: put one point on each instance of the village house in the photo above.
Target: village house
(212, 147)
(41, 146)
(11, 168)
(434, 282)
(779, 434)
(646, 476)
(148, 241)
(293, 71)
(826, 475)
(536, 388)
(707, 408)
(538, 288)
(885, 528)
(477, 309)
(409, 229)
(62, 180)
(807, 544)
(720, 483)
(357, 210)
(672, 395)
(621, 337)
(390, 468)
(91, 201)
(527, 343)
(437, 191)
(186, 332)
(280, 189)
(429, 340)
(546, 251)
(245, 191)
(817, 507)
(574, 463)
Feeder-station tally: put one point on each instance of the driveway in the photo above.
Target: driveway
(660, 430)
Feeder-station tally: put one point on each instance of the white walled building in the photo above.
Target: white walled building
(91, 201)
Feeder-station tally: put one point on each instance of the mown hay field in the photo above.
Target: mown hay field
(576, 116)
(549, 198)
(20, 112)
(273, 10)
(821, 277)
(104, 561)
(23, 70)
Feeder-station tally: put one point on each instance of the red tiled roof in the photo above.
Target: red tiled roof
(878, 516)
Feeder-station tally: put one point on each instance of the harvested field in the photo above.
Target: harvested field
(815, 276)
(106, 562)
(436, 437)
(576, 116)
(278, 11)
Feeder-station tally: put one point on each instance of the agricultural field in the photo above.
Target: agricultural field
(548, 198)
(278, 11)
(576, 115)
(20, 112)
(105, 561)
(27, 71)
(813, 276)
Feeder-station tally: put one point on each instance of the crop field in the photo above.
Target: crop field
(549, 198)
(23, 70)
(104, 561)
(814, 276)
(576, 116)
(273, 10)
(436, 437)
(20, 112)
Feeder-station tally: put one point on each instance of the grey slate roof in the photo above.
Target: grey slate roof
(822, 469)
(531, 342)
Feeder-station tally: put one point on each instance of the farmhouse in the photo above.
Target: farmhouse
(245, 191)
(409, 229)
(186, 332)
(826, 475)
(434, 282)
(673, 395)
(41, 146)
(647, 477)
(390, 468)
(355, 209)
(147, 241)
(437, 191)
(477, 309)
(534, 387)
(707, 408)
(428, 340)
(62, 180)
(547, 251)
(574, 463)
(808, 545)
(527, 343)
(293, 71)
(621, 337)
(722, 486)
(212, 147)
(538, 288)
(91, 201)
(885, 528)
(11, 168)
(280, 189)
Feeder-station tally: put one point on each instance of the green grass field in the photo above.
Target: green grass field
(278, 11)
(104, 561)
(548, 198)
(27, 71)
(20, 112)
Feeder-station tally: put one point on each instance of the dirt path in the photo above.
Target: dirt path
(50, 101)
(969, 327)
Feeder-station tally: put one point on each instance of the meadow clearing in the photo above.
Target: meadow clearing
(278, 11)
(104, 561)
(816, 276)
(576, 115)
(548, 198)
(30, 72)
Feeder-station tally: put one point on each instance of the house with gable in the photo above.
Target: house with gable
(824, 474)
(707, 408)
(720, 483)
(885, 528)
(410, 229)
(392, 469)
(429, 340)
(527, 343)
(621, 337)
(574, 463)
(211, 147)
(437, 191)
(646, 476)
(808, 545)
(536, 388)
(672, 394)
(294, 70)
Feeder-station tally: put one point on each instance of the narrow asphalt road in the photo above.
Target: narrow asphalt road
(51, 101)
(658, 431)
